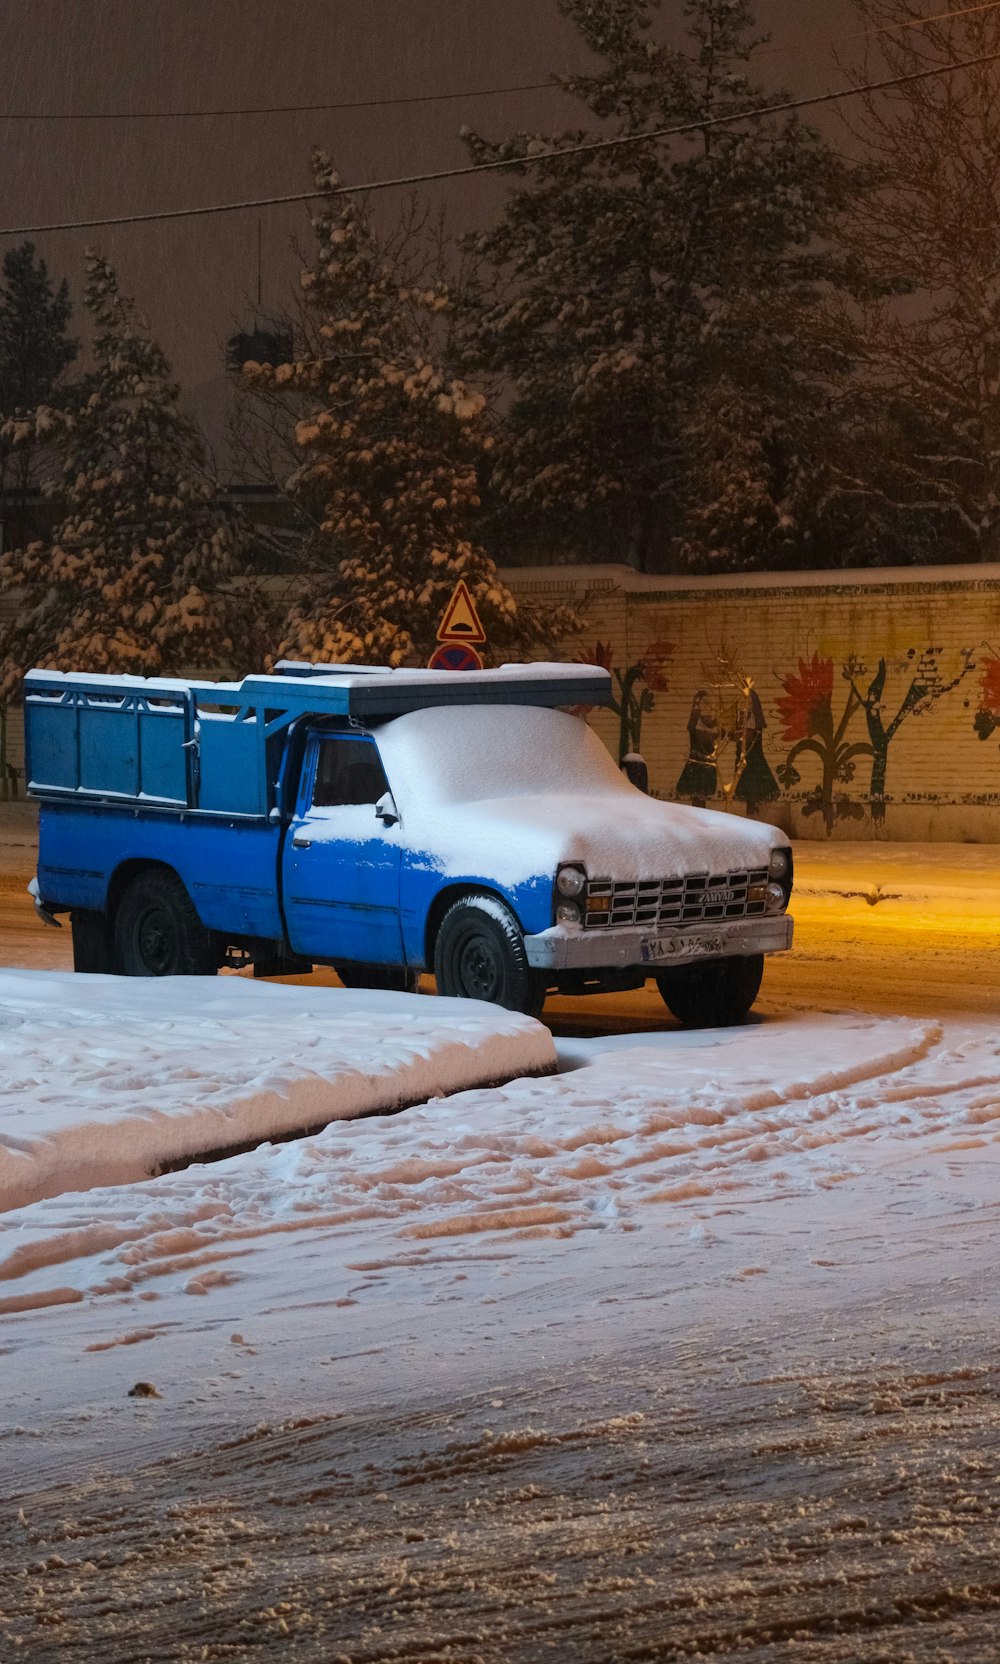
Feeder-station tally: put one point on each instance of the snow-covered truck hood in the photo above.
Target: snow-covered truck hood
(510, 793)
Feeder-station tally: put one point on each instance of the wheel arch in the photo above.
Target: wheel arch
(126, 871)
(461, 890)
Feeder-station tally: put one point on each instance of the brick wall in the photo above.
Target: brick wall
(768, 656)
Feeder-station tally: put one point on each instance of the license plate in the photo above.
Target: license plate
(692, 945)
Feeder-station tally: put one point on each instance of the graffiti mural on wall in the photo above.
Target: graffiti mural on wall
(727, 713)
(987, 717)
(727, 724)
(699, 778)
(926, 687)
(637, 687)
(870, 711)
(836, 721)
(810, 726)
(751, 781)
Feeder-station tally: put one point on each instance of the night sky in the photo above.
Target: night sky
(196, 280)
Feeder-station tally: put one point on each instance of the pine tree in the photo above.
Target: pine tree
(927, 234)
(392, 446)
(630, 281)
(35, 351)
(139, 573)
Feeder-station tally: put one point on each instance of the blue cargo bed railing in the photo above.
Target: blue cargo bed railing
(127, 743)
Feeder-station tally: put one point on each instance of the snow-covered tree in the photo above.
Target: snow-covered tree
(928, 235)
(391, 445)
(35, 351)
(139, 574)
(629, 281)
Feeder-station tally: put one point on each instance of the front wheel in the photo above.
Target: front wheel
(479, 955)
(713, 993)
(157, 931)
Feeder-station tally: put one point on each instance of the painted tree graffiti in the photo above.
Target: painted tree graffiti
(805, 707)
(637, 686)
(926, 687)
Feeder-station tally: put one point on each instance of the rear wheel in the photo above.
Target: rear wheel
(396, 978)
(713, 993)
(479, 955)
(157, 931)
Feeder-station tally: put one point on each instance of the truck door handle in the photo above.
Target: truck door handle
(302, 843)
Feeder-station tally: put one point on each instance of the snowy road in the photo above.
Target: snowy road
(885, 927)
(726, 1500)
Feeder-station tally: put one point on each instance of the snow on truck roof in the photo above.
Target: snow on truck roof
(361, 691)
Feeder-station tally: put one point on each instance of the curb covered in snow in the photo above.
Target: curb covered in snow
(107, 1080)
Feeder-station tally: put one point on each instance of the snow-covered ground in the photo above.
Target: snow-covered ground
(701, 1158)
(104, 1081)
(687, 1351)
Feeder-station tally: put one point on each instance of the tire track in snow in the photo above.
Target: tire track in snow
(592, 1150)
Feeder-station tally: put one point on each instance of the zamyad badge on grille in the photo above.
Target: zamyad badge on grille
(718, 898)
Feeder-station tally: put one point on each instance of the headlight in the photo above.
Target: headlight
(775, 901)
(571, 881)
(568, 912)
(778, 866)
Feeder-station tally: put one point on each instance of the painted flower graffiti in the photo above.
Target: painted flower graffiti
(805, 699)
(987, 717)
(809, 727)
(654, 665)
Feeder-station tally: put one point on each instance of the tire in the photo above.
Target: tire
(92, 950)
(479, 955)
(715, 993)
(396, 978)
(157, 931)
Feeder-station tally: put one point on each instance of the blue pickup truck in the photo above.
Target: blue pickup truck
(389, 822)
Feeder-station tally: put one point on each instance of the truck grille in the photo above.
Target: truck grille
(662, 901)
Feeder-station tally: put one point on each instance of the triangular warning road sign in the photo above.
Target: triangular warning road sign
(461, 620)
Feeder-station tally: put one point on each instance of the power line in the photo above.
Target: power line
(883, 29)
(550, 85)
(511, 162)
(291, 109)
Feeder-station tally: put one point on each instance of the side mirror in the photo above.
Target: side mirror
(386, 811)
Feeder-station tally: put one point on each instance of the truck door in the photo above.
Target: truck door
(341, 863)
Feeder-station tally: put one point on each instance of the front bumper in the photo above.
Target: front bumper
(570, 948)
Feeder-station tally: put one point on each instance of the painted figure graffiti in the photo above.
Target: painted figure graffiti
(699, 776)
(755, 784)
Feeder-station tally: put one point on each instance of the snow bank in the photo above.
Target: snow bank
(103, 1079)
